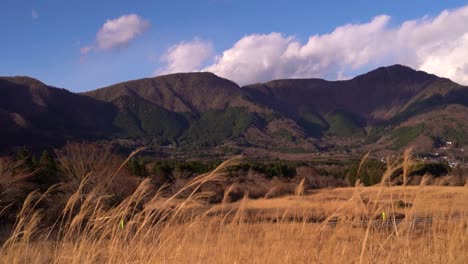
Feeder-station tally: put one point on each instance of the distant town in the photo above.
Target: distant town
(448, 153)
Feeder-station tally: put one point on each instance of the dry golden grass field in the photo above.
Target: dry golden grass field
(420, 224)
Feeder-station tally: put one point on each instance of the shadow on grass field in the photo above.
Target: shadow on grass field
(378, 224)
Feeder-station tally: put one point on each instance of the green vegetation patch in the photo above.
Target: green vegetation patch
(166, 168)
(419, 107)
(435, 169)
(404, 135)
(312, 123)
(141, 118)
(455, 134)
(370, 173)
(375, 133)
(214, 126)
(343, 124)
(285, 169)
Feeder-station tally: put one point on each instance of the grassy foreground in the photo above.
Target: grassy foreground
(422, 224)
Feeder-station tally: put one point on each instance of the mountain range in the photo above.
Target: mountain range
(384, 111)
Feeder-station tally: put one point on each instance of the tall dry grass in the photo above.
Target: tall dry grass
(158, 226)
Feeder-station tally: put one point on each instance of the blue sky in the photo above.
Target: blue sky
(45, 39)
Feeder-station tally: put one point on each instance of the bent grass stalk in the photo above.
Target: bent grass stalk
(183, 227)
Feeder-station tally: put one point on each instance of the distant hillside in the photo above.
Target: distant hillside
(189, 109)
(384, 110)
(35, 114)
(369, 107)
(183, 92)
(377, 96)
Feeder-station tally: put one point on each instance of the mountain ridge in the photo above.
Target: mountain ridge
(202, 110)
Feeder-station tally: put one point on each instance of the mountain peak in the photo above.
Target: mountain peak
(180, 92)
(207, 78)
(24, 80)
(399, 67)
(188, 74)
(206, 109)
(395, 74)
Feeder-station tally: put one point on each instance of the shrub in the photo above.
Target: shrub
(435, 169)
(371, 172)
(137, 167)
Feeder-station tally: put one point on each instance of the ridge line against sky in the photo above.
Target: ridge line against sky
(437, 45)
(128, 45)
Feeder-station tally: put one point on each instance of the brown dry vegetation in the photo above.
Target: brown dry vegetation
(424, 224)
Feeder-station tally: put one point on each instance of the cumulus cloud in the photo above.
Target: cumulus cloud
(257, 58)
(120, 31)
(440, 45)
(186, 56)
(117, 33)
(435, 44)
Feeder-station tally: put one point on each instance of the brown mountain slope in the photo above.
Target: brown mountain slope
(187, 108)
(430, 130)
(202, 111)
(376, 96)
(32, 113)
(181, 92)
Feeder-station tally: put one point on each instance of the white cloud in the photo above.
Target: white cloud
(439, 45)
(435, 44)
(254, 58)
(117, 33)
(186, 56)
(34, 14)
(257, 58)
(120, 31)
